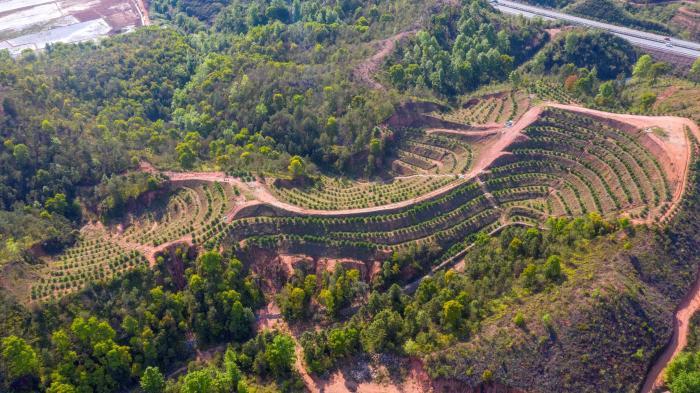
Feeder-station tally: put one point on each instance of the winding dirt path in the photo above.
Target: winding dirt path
(143, 12)
(681, 324)
(263, 195)
(366, 70)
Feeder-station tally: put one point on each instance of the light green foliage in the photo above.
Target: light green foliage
(452, 313)
(58, 387)
(200, 381)
(646, 100)
(481, 52)
(552, 268)
(683, 373)
(18, 358)
(296, 167)
(519, 320)
(91, 338)
(642, 68)
(21, 154)
(231, 367)
(152, 381)
(609, 55)
(280, 354)
(384, 333)
(606, 94)
(217, 308)
(188, 150)
(694, 73)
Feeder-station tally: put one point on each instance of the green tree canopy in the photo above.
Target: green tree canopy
(280, 354)
(152, 380)
(18, 358)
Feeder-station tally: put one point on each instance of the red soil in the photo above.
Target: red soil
(665, 95)
(143, 12)
(681, 323)
(675, 158)
(676, 148)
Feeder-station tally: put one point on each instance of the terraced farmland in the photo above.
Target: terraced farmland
(93, 258)
(423, 162)
(491, 109)
(195, 210)
(331, 194)
(194, 213)
(550, 92)
(555, 161)
(571, 164)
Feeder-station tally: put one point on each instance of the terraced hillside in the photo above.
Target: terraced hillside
(329, 194)
(495, 108)
(570, 164)
(421, 162)
(556, 160)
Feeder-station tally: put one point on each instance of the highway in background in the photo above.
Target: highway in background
(639, 38)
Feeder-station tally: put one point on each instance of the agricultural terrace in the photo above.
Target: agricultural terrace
(490, 109)
(93, 258)
(193, 213)
(557, 160)
(331, 193)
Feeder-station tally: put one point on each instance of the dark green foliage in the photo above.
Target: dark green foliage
(609, 55)
(152, 381)
(333, 293)
(135, 324)
(19, 364)
(22, 229)
(114, 193)
(683, 373)
(88, 108)
(323, 349)
(451, 306)
(463, 50)
(218, 293)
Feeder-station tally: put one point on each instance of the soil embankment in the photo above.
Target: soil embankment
(681, 323)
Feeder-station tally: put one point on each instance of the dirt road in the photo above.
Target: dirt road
(681, 323)
(143, 12)
(676, 149)
(366, 70)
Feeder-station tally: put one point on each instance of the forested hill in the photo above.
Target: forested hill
(308, 195)
(256, 84)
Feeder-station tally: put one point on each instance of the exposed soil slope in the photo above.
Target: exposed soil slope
(366, 70)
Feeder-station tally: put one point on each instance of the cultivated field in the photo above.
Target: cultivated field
(556, 160)
(32, 24)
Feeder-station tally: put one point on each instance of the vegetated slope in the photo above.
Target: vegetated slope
(608, 54)
(564, 163)
(687, 18)
(602, 329)
(609, 11)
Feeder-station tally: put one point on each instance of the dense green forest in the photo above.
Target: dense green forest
(462, 50)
